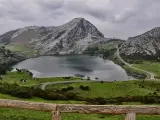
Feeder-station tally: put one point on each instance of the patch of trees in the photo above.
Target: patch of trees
(66, 77)
(54, 95)
(24, 71)
(150, 99)
(96, 51)
(16, 91)
(66, 89)
(91, 50)
(29, 92)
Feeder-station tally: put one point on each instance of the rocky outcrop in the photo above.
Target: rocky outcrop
(72, 37)
(7, 37)
(8, 58)
(146, 45)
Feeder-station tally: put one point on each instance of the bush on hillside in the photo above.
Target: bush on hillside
(84, 87)
(70, 88)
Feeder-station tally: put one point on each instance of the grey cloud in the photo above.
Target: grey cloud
(50, 4)
(125, 15)
(81, 6)
(115, 18)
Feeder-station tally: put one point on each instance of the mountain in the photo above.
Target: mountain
(146, 45)
(8, 58)
(72, 37)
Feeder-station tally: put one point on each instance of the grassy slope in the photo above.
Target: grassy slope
(150, 66)
(97, 89)
(21, 49)
(14, 77)
(132, 70)
(113, 89)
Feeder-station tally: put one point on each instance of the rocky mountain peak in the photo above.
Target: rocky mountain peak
(146, 45)
(82, 26)
(72, 37)
(155, 32)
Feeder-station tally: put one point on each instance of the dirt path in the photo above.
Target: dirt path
(151, 75)
(43, 85)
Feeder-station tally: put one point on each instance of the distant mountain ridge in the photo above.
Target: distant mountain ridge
(72, 37)
(75, 36)
(146, 45)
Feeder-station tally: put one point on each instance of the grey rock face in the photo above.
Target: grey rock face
(147, 44)
(6, 38)
(8, 58)
(72, 37)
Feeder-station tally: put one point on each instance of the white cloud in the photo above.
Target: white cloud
(115, 18)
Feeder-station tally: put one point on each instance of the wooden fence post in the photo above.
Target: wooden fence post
(56, 115)
(130, 116)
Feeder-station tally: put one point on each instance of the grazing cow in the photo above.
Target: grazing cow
(25, 80)
(22, 80)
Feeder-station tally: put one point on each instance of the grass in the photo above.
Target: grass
(113, 89)
(107, 89)
(150, 66)
(129, 69)
(20, 114)
(17, 114)
(14, 78)
(20, 48)
(132, 70)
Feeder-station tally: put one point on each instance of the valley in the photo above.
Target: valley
(75, 64)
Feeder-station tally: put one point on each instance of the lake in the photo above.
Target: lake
(60, 66)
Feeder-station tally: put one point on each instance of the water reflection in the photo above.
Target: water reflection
(51, 66)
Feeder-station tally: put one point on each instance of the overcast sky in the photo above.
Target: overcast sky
(114, 18)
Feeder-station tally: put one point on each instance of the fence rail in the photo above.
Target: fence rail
(57, 109)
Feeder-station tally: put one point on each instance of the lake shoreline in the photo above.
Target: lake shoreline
(78, 57)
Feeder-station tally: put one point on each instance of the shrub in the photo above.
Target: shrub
(97, 101)
(70, 95)
(66, 77)
(15, 90)
(64, 89)
(24, 94)
(84, 88)
(100, 101)
(81, 86)
(102, 82)
(70, 88)
(40, 93)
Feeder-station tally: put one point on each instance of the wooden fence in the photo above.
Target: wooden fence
(57, 109)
